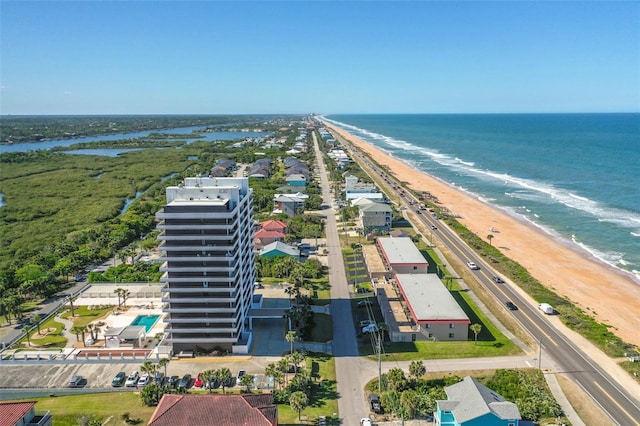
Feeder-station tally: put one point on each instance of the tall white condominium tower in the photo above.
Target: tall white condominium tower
(208, 264)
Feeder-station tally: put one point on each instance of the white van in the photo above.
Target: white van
(546, 308)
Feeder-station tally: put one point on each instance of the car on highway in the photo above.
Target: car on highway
(119, 379)
(433, 227)
(472, 265)
(496, 279)
(510, 306)
(132, 379)
(144, 380)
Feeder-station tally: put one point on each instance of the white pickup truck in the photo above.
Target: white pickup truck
(546, 308)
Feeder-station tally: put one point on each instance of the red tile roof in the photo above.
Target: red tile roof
(12, 412)
(271, 225)
(215, 409)
(263, 233)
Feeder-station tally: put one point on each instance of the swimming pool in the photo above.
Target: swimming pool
(147, 320)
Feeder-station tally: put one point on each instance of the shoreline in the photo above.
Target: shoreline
(608, 294)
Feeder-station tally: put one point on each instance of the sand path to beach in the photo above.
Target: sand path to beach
(612, 297)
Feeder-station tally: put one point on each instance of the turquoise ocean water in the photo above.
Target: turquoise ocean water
(575, 176)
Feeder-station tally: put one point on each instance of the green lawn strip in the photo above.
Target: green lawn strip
(67, 410)
(324, 393)
(633, 368)
(53, 339)
(86, 314)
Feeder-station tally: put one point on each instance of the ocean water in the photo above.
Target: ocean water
(575, 176)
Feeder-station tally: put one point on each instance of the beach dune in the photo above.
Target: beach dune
(611, 296)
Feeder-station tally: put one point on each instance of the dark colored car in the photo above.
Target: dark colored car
(374, 401)
(510, 306)
(119, 379)
(173, 381)
(184, 382)
(497, 280)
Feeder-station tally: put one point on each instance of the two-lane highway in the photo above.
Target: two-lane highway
(621, 406)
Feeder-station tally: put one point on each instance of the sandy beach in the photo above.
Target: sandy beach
(611, 296)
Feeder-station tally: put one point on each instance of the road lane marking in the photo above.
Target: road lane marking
(616, 402)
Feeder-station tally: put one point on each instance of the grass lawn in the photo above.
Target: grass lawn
(67, 410)
(324, 394)
(84, 315)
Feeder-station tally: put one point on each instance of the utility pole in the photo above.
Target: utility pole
(540, 353)
(379, 350)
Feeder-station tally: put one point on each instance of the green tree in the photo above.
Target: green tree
(476, 328)
(490, 237)
(298, 402)
(208, 376)
(162, 363)
(417, 369)
(410, 403)
(291, 337)
(247, 381)
(223, 375)
(37, 319)
(396, 379)
(149, 367)
(151, 394)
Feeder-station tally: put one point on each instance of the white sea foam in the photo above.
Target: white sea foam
(635, 234)
(611, 258)
(547, 191)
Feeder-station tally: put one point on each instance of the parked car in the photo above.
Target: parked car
(365, 422)
(374, 401)
(363, 303)
(75, 382)
(159, 378)
(132, 379)
(144, 380)
(472, 265)
(496, 279)
(184, 382)
(198, 382)
(119, 379)
(241, 373)
(213, 384)
(510, 306)
(365, 323)
(173, 381)
(371, 328)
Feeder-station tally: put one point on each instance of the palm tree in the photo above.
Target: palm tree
(207, 377)
(291, 337)
(162, 363)
(490, 237)
(71, 299)
(298, 401)
(119, 292)
(89, 328)
(77, 330)
(476, 328)
(149, 368)
(224, 376)
(37, 319)
(247, 381)
(125, 296)
(26, 332)
(417, 369)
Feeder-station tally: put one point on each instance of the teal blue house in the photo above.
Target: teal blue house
(470, 403)
(279, 249)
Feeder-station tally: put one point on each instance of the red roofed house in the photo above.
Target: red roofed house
(251, 409)
(274, 225)
(23, 414)
(264, 237)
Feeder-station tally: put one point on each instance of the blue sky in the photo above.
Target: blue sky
(180, 57)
